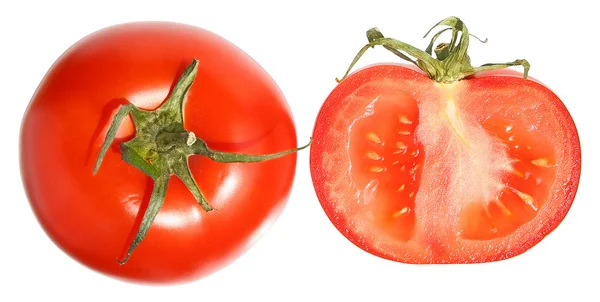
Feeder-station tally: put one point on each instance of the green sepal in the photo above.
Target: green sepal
(111, 133)
(157, 199)
(161, 147)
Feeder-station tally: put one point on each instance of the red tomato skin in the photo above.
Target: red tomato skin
(234, 105)
(472, 251)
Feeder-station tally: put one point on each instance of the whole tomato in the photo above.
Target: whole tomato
(131, 105)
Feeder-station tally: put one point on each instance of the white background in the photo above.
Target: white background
(304, 46)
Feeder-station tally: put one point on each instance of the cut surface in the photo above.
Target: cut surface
(523, 187)
(387, 161)
(421, 172)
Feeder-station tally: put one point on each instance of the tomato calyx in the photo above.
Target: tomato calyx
(161, 148)
(451, 62)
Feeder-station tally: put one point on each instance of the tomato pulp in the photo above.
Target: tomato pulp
(233, 106)
(420, 171)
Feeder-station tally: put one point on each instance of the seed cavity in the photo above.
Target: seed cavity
(411, 194)
(371, 136)
(403, 168)
(400, 213)
(415, 153)
(401, 188)
(401, 145)
(487, 212)
(503, 208)
(404, 132)
(373, 155)
(508, 128)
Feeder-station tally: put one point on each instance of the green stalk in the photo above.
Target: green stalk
(451, 63)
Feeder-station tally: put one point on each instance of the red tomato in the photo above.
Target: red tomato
(419, 171)
(233, 105)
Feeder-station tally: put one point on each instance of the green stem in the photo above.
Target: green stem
(452, 62)
(494, 66)
(201, 148)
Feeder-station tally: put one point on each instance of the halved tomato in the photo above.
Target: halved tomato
(422, 167)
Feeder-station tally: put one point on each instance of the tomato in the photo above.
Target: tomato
(232, 106)
(423, 168)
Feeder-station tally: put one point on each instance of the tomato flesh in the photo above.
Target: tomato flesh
(387, 162)
(422, 172)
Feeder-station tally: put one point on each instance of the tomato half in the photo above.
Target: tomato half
(420, 171)
(233, 105)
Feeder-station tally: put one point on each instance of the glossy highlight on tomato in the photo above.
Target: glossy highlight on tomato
(422, 171)
(233, 105)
